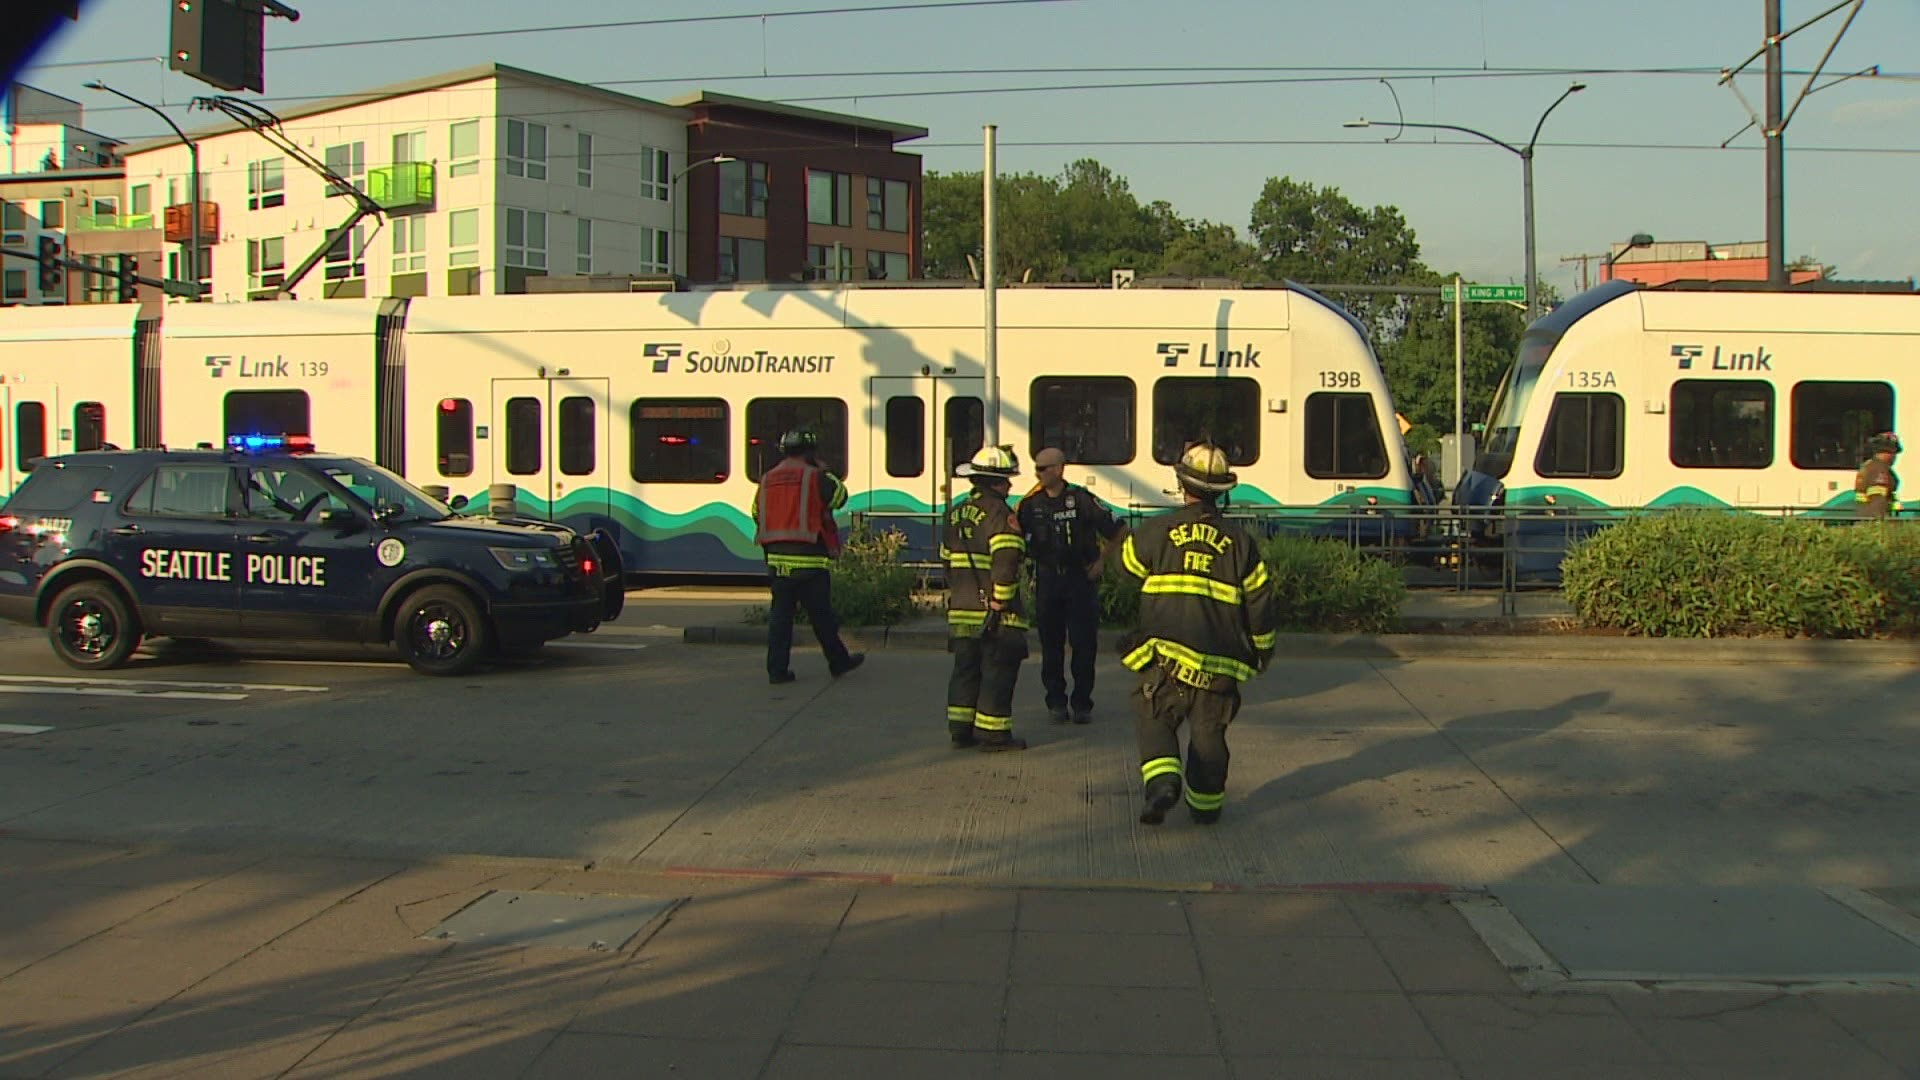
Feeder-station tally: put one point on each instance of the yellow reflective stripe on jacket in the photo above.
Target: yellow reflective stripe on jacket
(1255, 579)
(1003, 541)
(1192, 585)
(1159, 766)
(1205, 802)
(966, 616)
(1872, 490)
(799, 562)
(1130, 559)
(1004, 593)
(1266, 640)
(1173, 650)
(969, 560)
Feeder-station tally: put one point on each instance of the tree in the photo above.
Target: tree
(1308, 234)
(1418, 361)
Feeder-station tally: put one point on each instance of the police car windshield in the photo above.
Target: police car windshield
(377, 487)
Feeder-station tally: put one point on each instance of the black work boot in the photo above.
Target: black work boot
(1057, 714)
(994, 741)
(1204, 817)
(962, 734)
(1083, 716)
(854, 660)
(1162, 793)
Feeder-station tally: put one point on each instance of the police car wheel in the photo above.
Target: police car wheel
(91, 626)
(440, 631)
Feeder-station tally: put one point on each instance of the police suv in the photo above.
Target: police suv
(269, 539)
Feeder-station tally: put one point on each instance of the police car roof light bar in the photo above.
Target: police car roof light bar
(292, 444)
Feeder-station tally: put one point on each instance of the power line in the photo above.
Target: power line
(611, 25)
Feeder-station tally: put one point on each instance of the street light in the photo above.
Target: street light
(673, 213)
(1526, 169)
(1639, 240)
(192, 268)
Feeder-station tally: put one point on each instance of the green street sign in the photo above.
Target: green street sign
(1487, 294)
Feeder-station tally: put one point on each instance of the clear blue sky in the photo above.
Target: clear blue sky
(1852, 209)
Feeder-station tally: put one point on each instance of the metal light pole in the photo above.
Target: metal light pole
(988, 271)
(1638, 240)
(1525, 153)
(673, 209)
(192, 269)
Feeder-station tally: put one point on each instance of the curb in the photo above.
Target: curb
(1459, 645)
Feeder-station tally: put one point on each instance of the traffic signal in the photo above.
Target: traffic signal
(220, 42)
(129, 289)
(52, 275)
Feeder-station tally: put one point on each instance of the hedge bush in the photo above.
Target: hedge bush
(1705, 573)
(870, 587)
(1323, 586)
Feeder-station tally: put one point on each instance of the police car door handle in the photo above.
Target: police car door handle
(126, 530)
(262, 538)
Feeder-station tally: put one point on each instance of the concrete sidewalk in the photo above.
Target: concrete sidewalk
(161, 962)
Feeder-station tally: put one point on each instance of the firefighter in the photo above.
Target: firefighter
(1069, 536)
(1876, 485)
(1207, 618)
(793, 514)
(986, 630)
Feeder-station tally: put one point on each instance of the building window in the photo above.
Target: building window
(1090, 419)
(770, 418)
(266, 184)
(140, 196)
(463, 238)
(680, 440)
(268, 412)
(1832, 422)
(266, 262)
(523, 435)
(966, 430)
(742, 259)
(347, 257)
(584, 167)
(1584, 436)
(13, 217)
(1343, 438)
(654, 174)
(16, 285)
(576, 436)
(743, 188)
(829, 262)
(409, 146)
(886, 204)
(656, 251)
(526, 150)
(29, 434)
(463, 148)
(53, 214)
(829, 198)
(1187, 410)
(583, 245)
(89, 426)
(454, 437)
(1721, 424)
(409, 243)
(886, 266)
(906, 436)
(348, 161)
(526, 238)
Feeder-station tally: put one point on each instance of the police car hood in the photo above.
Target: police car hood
(503, 533)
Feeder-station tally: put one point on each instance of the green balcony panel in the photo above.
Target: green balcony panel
(84, 221)
(406, 186)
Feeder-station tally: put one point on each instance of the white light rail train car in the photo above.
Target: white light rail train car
(1628, 397)
(652, 415)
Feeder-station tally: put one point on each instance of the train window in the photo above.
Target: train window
(268, 412)
(966, 430)
(770, 418)
(1187, 410)
(89, 425)
(523, 435)
(29, 433)
(454, 436)
(1583, 437)
(1089, 418)
(575, 430)
(680, 440)
(1721, 424)
(1343, 438)
(906, 436)
(1833, 420)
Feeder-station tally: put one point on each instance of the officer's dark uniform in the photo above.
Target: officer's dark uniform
(1876, 484)
(1063, 540)
(800, 571)
(983, 550)
(1207, 619)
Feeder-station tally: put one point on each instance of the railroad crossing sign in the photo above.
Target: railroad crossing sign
(1488, 294)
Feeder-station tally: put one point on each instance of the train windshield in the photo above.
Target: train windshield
(1510, 405)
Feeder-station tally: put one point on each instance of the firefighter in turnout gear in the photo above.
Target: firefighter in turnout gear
(1876, 485)
(986, 629)
(1207, 618)
(793, 514)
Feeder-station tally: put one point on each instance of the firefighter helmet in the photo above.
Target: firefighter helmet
(798, 441)
(992, 463)
(1204, 468)
(1883, 443)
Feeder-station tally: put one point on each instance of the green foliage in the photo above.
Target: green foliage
(1719, 574)
(870, 587)
(1324, 586)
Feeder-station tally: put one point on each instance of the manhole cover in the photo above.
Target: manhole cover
(1697, 934)
(551, 920)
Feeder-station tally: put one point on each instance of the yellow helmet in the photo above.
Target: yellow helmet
(1204, 467)
(992, 462)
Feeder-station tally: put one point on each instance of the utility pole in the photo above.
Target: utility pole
(1584, 261)
(1775, 132)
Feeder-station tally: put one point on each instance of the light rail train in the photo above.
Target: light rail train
(653, 414)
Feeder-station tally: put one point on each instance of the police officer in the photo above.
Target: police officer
(1876, 485)
(1068, 534)
(986, 629)
(793, 512)
(1207, 618)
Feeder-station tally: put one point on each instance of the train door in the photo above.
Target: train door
(551, 440)
(921, 429)
(30, 427)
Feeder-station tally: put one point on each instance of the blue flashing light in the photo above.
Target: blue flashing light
(267, 444)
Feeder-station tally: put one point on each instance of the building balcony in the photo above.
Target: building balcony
(180, 223)
(405, 186)
(94, 221)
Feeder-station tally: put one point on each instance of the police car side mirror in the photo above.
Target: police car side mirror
(338, 518)
(458, 503)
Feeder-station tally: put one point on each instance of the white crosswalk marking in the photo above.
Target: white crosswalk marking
(22, 729)
(172, 684)
(594, 645)
(121, 691)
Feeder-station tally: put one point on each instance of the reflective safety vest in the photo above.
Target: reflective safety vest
(791, 507)
(1208, 609)
(1874, 487)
